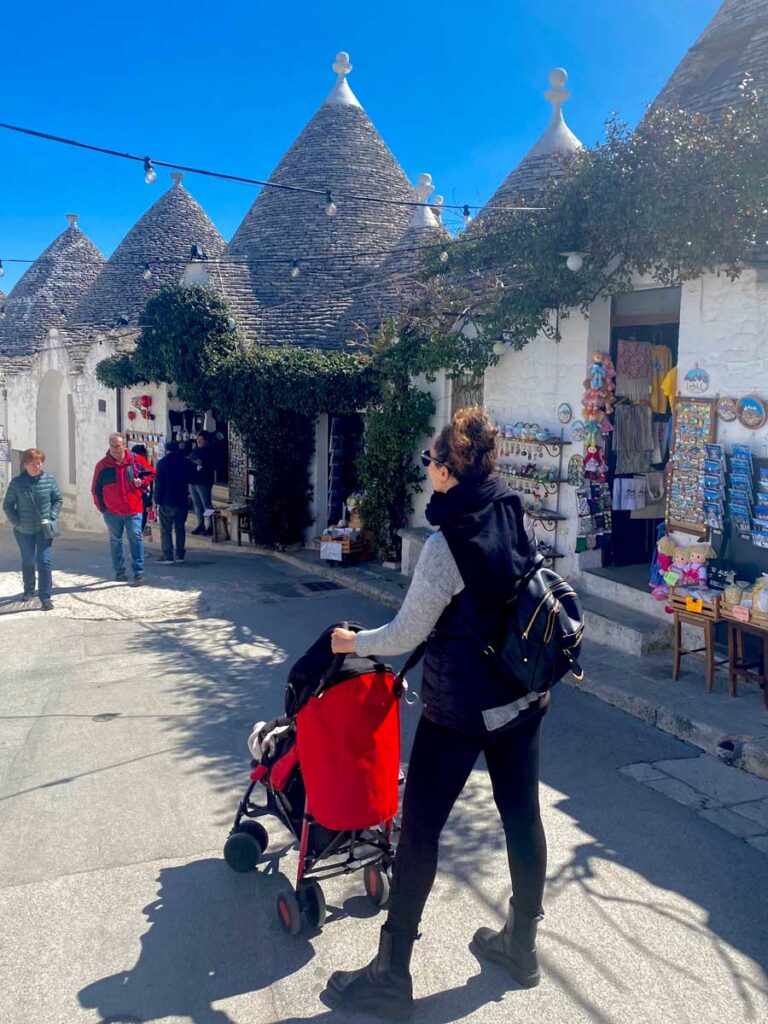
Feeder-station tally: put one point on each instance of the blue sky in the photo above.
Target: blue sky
(454, 88)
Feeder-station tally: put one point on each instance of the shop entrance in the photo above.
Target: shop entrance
(345, 444)
(644, 348)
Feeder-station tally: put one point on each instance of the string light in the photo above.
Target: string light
(443, 255)
(150, 175)
(147, 275)
(295, 269)
(467, 216)
(330, 206)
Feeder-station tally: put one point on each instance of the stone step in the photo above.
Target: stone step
(623, 628)
(622, 594)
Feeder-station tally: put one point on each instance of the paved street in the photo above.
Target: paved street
(124, 716)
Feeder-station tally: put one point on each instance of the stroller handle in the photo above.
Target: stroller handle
(338, 660)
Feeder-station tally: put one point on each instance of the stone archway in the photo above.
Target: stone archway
(55, 428)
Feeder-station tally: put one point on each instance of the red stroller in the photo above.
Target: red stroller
(330, 768)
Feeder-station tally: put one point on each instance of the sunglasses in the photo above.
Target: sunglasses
(427, 457)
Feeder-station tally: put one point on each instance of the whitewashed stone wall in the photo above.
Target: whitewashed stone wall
(724, 328)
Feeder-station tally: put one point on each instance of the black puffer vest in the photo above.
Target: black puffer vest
(491, 550)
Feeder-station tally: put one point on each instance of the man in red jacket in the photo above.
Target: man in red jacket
(118, 482)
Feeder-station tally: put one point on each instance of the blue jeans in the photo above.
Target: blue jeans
(132, 527)
(201, 497)
(35, 553)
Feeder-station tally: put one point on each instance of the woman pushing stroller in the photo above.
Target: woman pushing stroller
(466, 570)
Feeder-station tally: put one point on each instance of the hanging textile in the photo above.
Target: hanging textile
(633, 370)
(661, 364)
(633, 438)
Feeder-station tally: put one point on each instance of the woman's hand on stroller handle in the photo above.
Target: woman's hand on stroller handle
(343, 641)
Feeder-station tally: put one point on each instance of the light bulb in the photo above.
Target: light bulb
(150, 174)
(575, 262)
(330, 206)
(295, 269)
(2, 272)
(499, 348)
(147, 272)
(467, 217)
(443, 256)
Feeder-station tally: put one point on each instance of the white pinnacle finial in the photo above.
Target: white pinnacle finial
(341, 65)
(558, 138)
(341, 94)
(424, 188)
(437, 207)
(177, 177)
(72, 218)
(422, 215)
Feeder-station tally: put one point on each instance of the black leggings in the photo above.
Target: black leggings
(441, 762)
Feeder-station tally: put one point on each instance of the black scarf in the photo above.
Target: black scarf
(482, 521)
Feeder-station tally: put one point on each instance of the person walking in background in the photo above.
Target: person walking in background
(32, 504)
(175, 472)
(146, 494)
(466, 571)
(118, 481)
(204, 457)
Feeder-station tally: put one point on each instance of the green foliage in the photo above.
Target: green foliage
(672, 199)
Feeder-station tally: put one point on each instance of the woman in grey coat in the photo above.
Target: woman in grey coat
(32, 504)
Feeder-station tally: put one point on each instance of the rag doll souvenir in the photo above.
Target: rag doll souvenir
(665, 550)
(697, 569)
(680, 567)
(594, 464)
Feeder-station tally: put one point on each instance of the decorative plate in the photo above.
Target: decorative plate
(564, 413)
(696, 380)
(727, 409)
(751, 412)
(577, 431)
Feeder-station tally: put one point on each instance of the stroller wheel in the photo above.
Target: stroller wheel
(312, 903)
(288, 912)
(376, 884)
(244, 847)
(255, 829)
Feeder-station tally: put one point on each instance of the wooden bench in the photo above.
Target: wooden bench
(738, 666)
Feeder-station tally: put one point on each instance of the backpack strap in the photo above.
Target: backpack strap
(413, 659)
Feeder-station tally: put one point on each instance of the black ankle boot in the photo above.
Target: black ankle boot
(384, 987)
(514, 947)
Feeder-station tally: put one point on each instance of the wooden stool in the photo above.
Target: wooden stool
(737, 663)
(707, 652)
(220, 526)
(243, 523)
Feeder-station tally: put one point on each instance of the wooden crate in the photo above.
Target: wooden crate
(681, 600)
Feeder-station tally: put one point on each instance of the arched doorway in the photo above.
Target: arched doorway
(55, 428)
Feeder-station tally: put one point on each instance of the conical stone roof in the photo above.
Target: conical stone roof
(47, 293)
(338, 151)
(167, 231)
(734, 44)
(544, 160)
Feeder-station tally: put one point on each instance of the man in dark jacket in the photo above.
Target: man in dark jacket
(118, 482)
(32, 500)
(175, 472)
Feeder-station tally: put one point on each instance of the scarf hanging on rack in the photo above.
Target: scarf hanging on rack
(633, 438)
(633, 370)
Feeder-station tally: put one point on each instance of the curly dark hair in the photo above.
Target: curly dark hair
(467, 445)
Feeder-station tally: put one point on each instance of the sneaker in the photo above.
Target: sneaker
(47, 605)
(164, 561)
(198, 530)
(120, 577)
(27, 595)
(137, 581)
(180, 560)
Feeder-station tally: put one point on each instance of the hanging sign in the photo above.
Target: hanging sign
(5, 451)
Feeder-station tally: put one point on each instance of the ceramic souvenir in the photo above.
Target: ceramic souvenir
(564, 413)
(751, 412)
(577, 431)
(726, 409)
(696, 381)
(576, 471)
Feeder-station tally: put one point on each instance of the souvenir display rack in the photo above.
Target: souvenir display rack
(534, 482)
(153, 442)
(694, 427)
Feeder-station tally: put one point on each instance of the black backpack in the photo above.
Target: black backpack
(542, 623)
